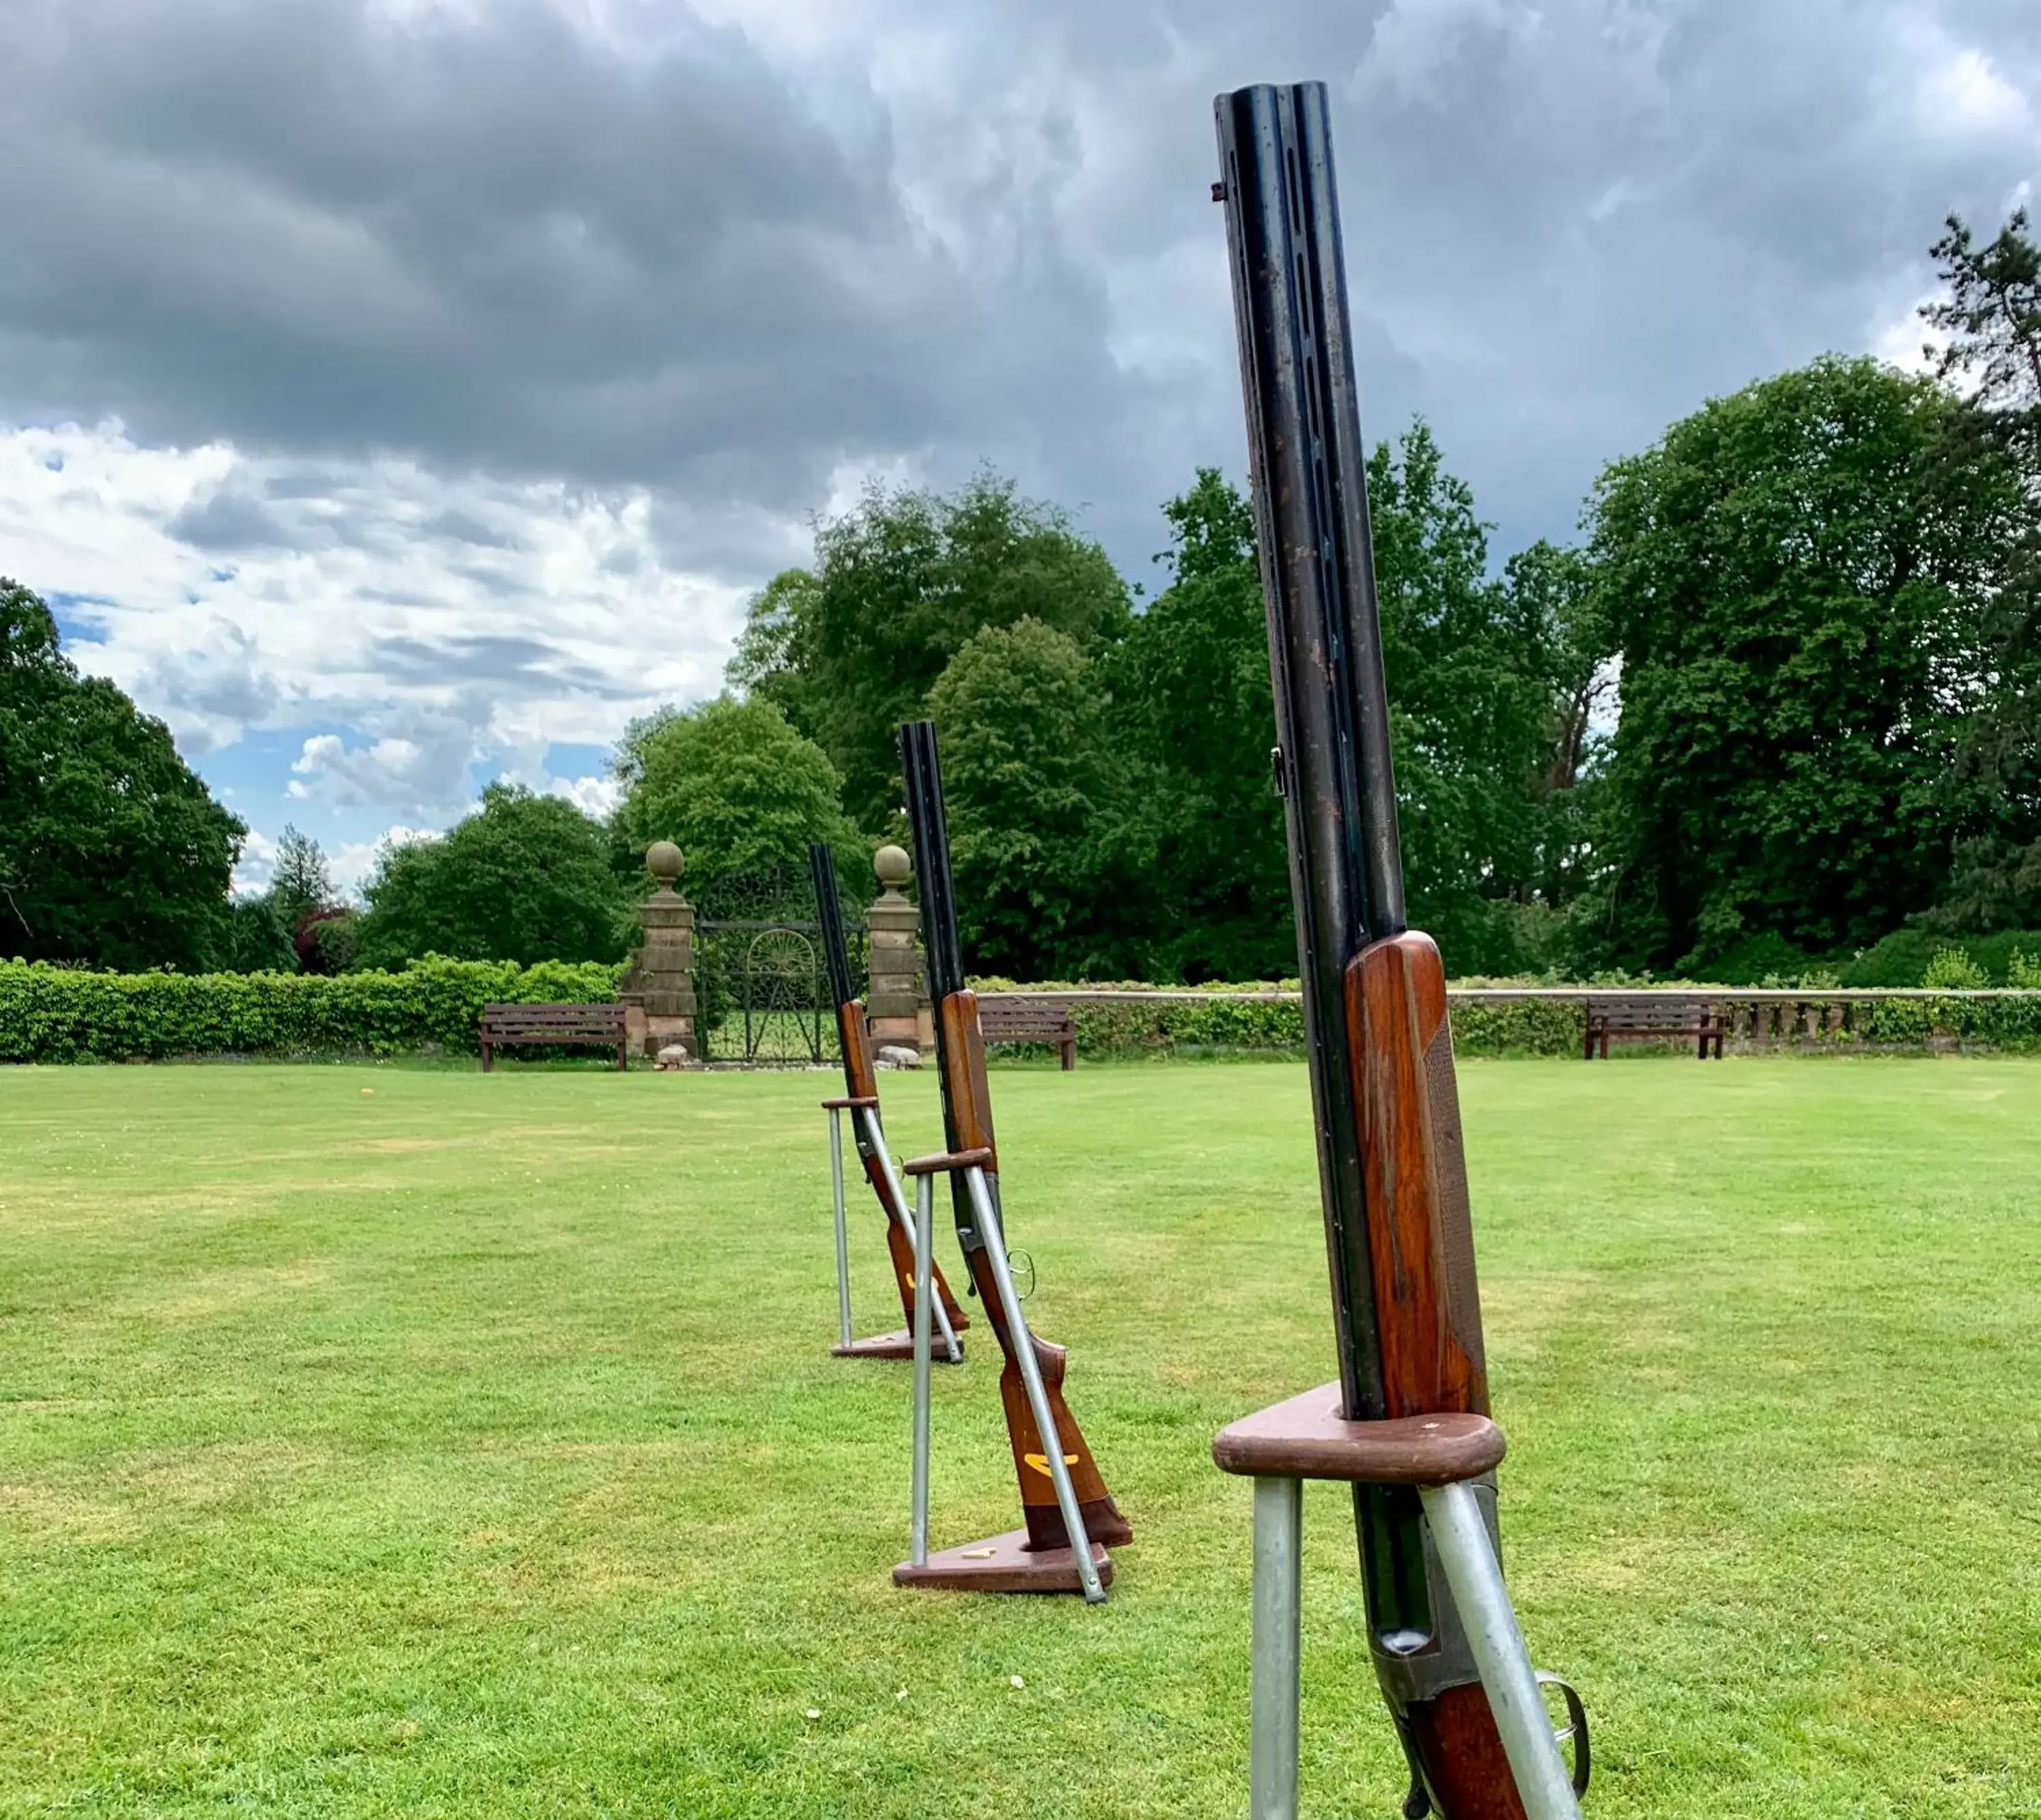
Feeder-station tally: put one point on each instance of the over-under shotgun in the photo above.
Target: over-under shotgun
(967, 1126)
(861, 1085)
(1393, 1182)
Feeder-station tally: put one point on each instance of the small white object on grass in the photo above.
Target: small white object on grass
(815, 1712)
(901, 1695)
(1018, 1681)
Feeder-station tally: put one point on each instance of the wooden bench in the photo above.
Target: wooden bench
(599, 1024)
(1655, 1016)
(1029, 1020)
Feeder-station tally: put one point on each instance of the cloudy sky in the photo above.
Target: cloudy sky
(397, 394)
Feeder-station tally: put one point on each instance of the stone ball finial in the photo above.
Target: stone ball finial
(663, 861)
(893, 867)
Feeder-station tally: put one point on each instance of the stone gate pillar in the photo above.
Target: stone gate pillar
(896, 1002)
(658, 991)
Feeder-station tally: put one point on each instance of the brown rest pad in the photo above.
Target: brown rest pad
(1307, 1437)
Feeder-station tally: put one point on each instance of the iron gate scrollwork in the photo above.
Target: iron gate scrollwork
(761, 985)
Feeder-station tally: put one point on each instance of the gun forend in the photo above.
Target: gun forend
(1414, 1166)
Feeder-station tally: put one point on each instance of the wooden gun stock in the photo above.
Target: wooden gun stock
(861, 1077)
(970, 1100)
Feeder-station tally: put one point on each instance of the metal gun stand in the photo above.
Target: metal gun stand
(1003, 1563)
(899, 1344)
(1306, 1437)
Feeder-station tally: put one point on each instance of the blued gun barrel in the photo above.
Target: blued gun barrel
(968, 1126)
(1406, 1310)
(828, 915)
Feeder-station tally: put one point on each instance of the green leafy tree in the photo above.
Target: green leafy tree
(1471, 688)
(1490, 690)
(1553, 604)
(1991, 317)
(1789, 575)
(1199, 859)
(112, 852)
(524, 878)
(899, 585)
(731, 781)
(1025, 780)
(255, 938)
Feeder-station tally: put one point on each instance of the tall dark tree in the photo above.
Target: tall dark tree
(1200, 845)
(112, 852)
(1790, 575)
(1553, 606)
(1990, 319)
(1471, 694)
(899, 585)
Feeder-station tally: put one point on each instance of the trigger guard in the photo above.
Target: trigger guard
(1577, 1727)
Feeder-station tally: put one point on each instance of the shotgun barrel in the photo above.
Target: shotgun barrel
(967, 1126)
(861, 1082)
(1405, 1307)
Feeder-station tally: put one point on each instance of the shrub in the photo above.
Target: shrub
(1901, 959)
(1952, 969)
(59, 1014)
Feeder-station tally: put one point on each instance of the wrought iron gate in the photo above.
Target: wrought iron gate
(761, 985)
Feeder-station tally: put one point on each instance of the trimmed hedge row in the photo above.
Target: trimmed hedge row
(1127, 1028)
(58, 1015)
(1228, 1021)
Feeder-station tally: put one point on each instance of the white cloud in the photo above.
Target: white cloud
(449, 620)
(351, 864)
(595, 796)
(258, 865)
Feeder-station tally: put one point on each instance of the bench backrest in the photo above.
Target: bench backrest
(1023, 1020)
(1659, 1012)
(602, 1023)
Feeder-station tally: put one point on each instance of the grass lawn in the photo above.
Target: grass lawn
(399, 1441)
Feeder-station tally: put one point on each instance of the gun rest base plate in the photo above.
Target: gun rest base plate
(1003, 1564)
(899, 1344)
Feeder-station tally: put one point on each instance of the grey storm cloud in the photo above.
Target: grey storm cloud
(727, 265)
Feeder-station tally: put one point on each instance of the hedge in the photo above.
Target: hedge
(1227, 1020)
(60, 1015)
(1230, 1020)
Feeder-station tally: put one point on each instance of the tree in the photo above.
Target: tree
(899, 585)
(1201, 848)
(112, 852)
(1991, 317)
(256, 939)
(1790, 575)
(731, 781)
(1483, 681)
(1553, 602)
(299, 881)
(1025, 779)
(523, 878)
(1471, 688)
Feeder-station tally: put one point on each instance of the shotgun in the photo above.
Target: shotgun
(861, 1087)
(967, 1127)
(1393, 1179)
